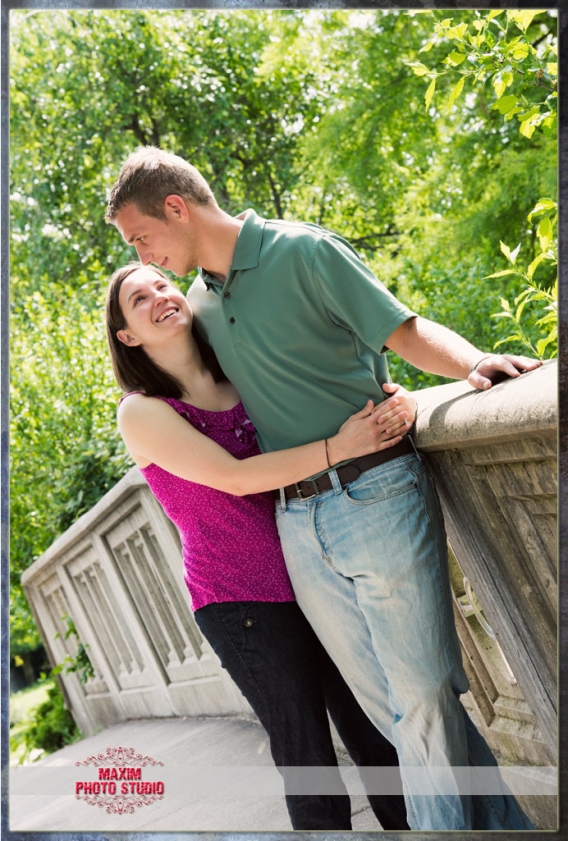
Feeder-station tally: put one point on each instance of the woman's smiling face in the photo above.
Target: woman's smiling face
(153, 308)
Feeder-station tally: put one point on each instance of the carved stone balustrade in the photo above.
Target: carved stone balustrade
(118, 573)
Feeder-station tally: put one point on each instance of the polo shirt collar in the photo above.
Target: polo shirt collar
(247, 249)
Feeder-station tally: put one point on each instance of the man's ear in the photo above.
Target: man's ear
(127, 339)
(175, 207)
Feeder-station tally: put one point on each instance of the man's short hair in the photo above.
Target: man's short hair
(149, 176)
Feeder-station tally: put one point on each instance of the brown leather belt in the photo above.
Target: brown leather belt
(346, 473)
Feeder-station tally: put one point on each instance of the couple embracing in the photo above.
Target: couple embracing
(261, 413)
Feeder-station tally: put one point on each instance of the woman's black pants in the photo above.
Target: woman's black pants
(276, 660)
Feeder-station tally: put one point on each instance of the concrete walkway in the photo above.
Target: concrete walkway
(217, 775)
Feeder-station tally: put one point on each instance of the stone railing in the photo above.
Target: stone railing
(493, 455)
(118, 573)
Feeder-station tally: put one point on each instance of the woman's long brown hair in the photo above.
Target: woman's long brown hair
(133, 368)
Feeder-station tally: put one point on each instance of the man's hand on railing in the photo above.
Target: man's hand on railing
(492, 368)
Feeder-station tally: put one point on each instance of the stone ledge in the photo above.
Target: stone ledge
(130, 482)
(457, 416)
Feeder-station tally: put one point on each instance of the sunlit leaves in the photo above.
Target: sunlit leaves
(542, 206)
(456, 91)
(491, 51)
(455, 59)
(510, 255)
(522, 19)
(534, 294)
(430, 92)
(418, 68)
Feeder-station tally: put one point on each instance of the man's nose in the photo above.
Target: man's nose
(144, 256)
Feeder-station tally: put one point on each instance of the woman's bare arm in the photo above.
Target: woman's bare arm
(154, 433)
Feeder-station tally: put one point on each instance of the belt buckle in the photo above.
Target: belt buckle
(300, 492)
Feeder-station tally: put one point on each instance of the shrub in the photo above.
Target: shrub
(50, 726)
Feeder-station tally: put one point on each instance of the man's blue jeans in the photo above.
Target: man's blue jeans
(368, 564)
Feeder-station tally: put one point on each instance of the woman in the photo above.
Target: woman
(186, 429)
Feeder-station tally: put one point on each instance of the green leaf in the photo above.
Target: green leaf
(515, 337)
(534, 265)
(430, 93)
(418, 68)
(492, 15)
(457, 31)
(528, 127)
(548, 122)
(454, 59)
(520, 52)
(510, 114)
(542, 206)
(505, 104)
(549, 318)
(500, 274)
(520, 308)
(507, 77)
(544, 232)
(552, 68)
(500, 84)
(528, 115)
(505, 250)
(543, 343)
(523, 19)
(456, 90)
(513, 255)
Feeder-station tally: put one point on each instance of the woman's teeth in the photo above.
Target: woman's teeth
(166, 315)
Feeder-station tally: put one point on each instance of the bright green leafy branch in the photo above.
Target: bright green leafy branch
(490, 49)
(534, 293)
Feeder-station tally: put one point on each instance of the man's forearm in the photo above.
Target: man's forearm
(434, 348)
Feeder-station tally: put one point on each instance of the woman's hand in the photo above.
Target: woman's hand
(396, 414)
(374, 428)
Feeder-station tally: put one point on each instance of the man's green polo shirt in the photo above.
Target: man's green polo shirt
(299, 327)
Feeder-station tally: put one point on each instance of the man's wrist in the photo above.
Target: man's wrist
(474, 365)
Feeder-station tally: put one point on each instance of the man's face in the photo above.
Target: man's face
(165, 242)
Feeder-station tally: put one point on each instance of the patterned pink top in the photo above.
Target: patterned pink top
(230, 544)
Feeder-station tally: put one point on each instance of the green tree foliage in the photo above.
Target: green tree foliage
(65, 453)
(509, 59)
(313, 115)
(507, 50)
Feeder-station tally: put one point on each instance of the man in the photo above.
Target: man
(300, 326)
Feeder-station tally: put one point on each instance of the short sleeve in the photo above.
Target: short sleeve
(353, 296)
